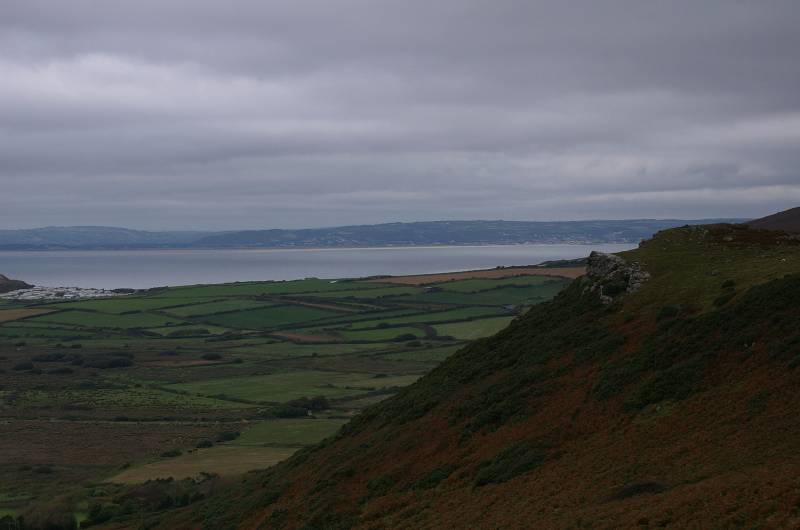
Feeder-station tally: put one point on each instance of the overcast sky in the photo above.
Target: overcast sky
(204, 114)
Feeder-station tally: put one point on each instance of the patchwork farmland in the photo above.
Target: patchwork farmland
(217, 379)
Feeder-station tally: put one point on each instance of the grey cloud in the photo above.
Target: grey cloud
(201, 114)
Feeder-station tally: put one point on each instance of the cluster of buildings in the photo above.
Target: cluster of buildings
(58, 293)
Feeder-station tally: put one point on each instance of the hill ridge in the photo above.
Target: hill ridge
(787, 221)
(387, 234)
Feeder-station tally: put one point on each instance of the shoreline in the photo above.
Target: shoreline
(309, 249)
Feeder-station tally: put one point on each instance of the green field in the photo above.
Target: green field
(123, 304)
(507, 295)
(108, 320)
(221, 306)
(479, 284)
(278, 388)
(475, 329)
(288, 432)
(114, 383)
(381, 334)
(265, 288)
(269, 317)
(375, 292)
(467, 313)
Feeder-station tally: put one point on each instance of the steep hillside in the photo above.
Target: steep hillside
(660, 391)
(787, 221)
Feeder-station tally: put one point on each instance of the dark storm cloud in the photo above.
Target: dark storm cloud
(200, 114)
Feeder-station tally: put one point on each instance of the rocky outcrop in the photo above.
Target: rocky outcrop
(7, 285)
(609, 275)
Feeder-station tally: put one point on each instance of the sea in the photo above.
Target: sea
(140, 269)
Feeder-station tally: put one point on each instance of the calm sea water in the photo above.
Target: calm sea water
(152, 268)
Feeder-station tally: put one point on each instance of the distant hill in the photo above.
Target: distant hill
(657, 391)
(786, 221)
(88, 237)
(389, 234)
(7, 284)
(449, 233)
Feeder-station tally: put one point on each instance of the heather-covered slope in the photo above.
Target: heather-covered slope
(672, 406)
(787, 221)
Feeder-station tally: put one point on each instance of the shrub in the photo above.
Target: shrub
(191, 332)
(26, 365)
(287, 411)
(105, 363)
(516, 460)
(228, 436)
(380, 486)
(212, 356)
(101, 513)
(49, 515)
(203, 444)
(48, 358)
(668, 311)
(316, 403)
(432, 479)
(61, 371)
(724, 298)
(172, 453)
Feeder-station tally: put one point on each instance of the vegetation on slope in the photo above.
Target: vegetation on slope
(671, 406)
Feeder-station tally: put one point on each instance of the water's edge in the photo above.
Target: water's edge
(110, 269)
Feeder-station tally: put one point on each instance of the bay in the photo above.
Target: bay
(154, 268)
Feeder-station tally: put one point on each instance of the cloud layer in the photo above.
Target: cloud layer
(245, 114)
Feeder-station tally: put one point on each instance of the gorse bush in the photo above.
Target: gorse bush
(516, 460)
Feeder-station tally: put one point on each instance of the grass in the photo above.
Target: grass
(282, 387)
(269, 317)
(104, 320)
(8, 315)
(499, 296)
(265, 288)
(479, 284)
(474, 329)
(189, 330)
(222, 460)
(217, 306)
(123, 397)
(369, 315)
(376, 292)
(381, 335)
(424, 354)
(121, 304)
(466, 313)
(17, 331)
(290, 350)
(288, 432)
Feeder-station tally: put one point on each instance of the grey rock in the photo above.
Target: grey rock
(609, 275)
